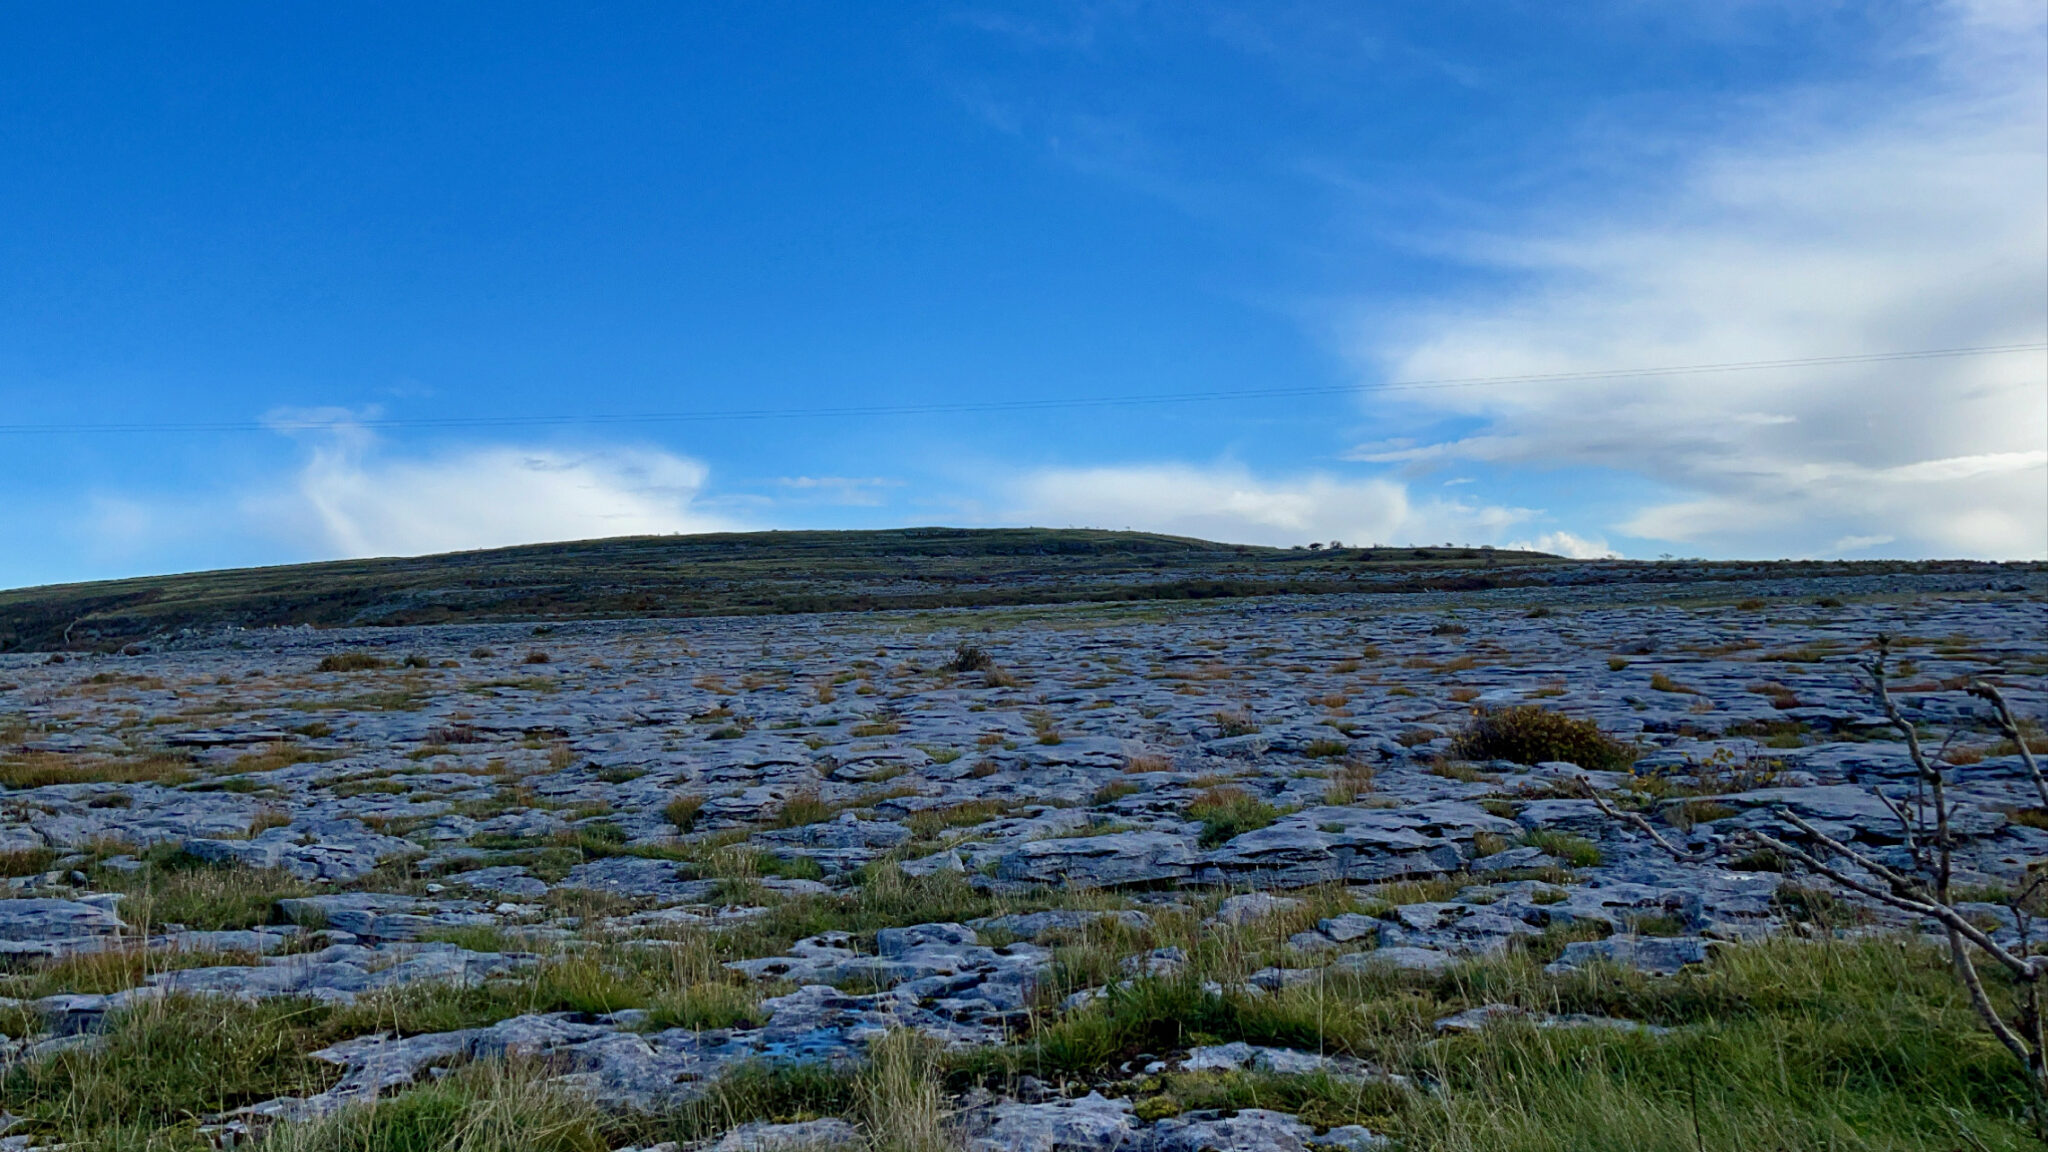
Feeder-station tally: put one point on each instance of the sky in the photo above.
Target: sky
(295, 282)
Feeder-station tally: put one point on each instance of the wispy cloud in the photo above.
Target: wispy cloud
(355, 498)
(851, 491)
(1822, 230)
(1229, 502)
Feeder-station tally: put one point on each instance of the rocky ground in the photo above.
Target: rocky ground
(643, 858)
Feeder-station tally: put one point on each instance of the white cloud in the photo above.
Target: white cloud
(854, 491)
(1566, 544)
(353, 499)
(1917, 226)
(1229, 503)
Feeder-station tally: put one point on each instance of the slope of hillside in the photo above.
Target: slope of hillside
(723, 574)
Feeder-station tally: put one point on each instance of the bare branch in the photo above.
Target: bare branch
(1913, 902)
(2010, 727)
(1670, 849)
(1974, 984)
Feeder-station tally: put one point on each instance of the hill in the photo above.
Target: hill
(728, 574)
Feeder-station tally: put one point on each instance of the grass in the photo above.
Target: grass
(682, 811)
(1789, 1044)
(1353, 779)
(1236, 723)
(1531, 734)
(1227, 812)
(1574, 851)
(1785, 1045)
(803, 808)
(282, 754)
(44, 769)
(174, 888)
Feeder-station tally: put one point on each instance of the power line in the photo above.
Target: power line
(950, 407)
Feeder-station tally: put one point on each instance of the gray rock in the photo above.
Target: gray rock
(1100, 861)
(1513, 859)
(1030, 925)
(1239, 1055)
(44, 927)
(1663, 955)
(1251, 1130)
(1349, 927)
(805, 1136)
(1396, 959)
(504, 880)
(1089, 1124)
(1249, 906)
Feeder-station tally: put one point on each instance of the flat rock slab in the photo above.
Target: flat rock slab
(1093, 1123)
(1110, 861)
(1663, 955)
(45, 927)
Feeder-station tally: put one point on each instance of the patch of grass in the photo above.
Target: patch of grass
(1531, 734)
(1575, 851)
(1664, 683)
(44, 769)
(162, 1065)
(930, 822)
(1147, 762)
(352, 662)
(1323, 749)
(1236, 722)
(902, 1096)
(492, 1106)
(803, 808)
(281, 754)
(706, 1004)
(26, 861)
(1354, 778)
(968, 658)
(682, 812)
(1863, 1044)
(1461, 771)
(174, 888)
(1114, 791)
(1227, 812)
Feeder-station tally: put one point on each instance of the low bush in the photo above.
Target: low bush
(1529, 734)
(352, 662)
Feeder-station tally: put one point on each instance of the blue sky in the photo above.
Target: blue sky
(343, 237)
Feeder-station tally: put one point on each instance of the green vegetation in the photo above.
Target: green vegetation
(682, 812)
(174, 888)
(1227, 812)
(1849, 1044)
(1575, 851)
(744, 573)
(1531, 734)
(1865, 1045)
(491, 1107)
(42, 769)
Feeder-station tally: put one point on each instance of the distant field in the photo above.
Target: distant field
(783, 572)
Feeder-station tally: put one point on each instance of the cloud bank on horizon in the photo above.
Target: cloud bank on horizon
(1889, 201)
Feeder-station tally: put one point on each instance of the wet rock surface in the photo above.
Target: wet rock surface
(517, 796)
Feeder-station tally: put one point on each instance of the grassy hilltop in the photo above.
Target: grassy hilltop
(725, 573)
(759, 573)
